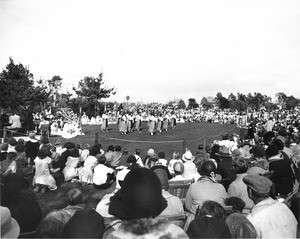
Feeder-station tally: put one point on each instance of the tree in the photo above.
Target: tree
(93, 90)
(17, 87)
(181, 104)
(54, 85)
(192, 103)
(205, 104)
(222, 102)
(281, 98)
(291, 102)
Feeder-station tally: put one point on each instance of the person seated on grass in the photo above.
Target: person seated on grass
(86, 172)
(75, 199)
(147, 161)
(137, 154)
(71, 171)
(132, 162)
(85, 152)
(52, 226)
(103, 176)
(137, 204)
(43, 180)
(12, 142)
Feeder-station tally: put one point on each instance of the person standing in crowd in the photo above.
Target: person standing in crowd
(43, 179)
(270, 218)
(151, 124)
(104, 124)
(4, 121)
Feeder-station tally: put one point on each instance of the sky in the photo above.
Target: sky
(158, 50)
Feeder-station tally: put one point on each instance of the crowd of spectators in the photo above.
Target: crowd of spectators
(240, 188)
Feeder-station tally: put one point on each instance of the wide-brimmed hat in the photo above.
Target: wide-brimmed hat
(9, 226)
(139, 197)
(224, 152)
(187, 156)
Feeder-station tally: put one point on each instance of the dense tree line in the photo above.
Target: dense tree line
(19, 90)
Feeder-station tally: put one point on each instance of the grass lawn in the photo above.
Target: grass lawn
(185, 135)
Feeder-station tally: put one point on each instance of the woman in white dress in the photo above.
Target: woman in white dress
(104, 124)
(86, 172)
(70, 171)
(151, 124)
(42, 178)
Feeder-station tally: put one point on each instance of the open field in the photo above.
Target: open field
(193, 133)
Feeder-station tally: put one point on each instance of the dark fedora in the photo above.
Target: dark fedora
(224, 152)
(139, 197)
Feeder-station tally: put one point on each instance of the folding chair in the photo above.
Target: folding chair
(179, 188)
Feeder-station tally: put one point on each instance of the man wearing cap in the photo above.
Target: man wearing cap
(270, 218)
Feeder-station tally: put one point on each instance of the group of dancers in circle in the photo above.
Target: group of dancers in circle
(156, 122)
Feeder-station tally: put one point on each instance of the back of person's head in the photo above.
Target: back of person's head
(161, 154)
(278, 143)
(208, 168)
(12, 141)
(110, 148)
(75, 196)
(237, 204)
(240, 226)
(86, 146)
(200, 147)
(163, 177)
(74, 153)
(4, 146)
(11, 156)
(240, 166)
(176, 155)
(137, 151)
(85, 224)
(131, 159)
(208, 227)
(125, 151)
(52, 226)
(101, 159)
(44, 152)
(94, 151)
(178, 168)
(21, 141)
(271, 151)
(118, 148)
(45, 140)
(213, 209)
(268, 136)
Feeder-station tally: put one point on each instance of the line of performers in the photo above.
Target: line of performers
(155, 122)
